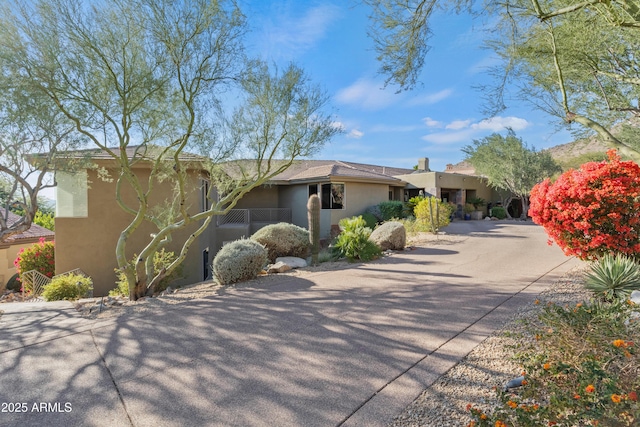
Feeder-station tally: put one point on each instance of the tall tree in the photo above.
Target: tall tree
(153, 74)
(509, 165)
(29, 123)
(576, 60)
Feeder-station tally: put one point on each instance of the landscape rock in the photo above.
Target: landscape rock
(390, 235)
(291, 261)
(278, 267)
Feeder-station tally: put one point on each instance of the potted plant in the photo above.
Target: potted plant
(477, 203)
(467, 209)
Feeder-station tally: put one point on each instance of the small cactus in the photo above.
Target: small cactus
(313, 214)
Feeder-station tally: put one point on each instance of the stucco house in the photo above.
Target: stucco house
(9, 249)
(89, 220)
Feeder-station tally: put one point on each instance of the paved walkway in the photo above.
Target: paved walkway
(339, 348)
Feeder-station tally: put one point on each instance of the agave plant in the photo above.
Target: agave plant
(613, 276)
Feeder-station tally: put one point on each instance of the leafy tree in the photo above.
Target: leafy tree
(28, 124)
(152, 74)
(592, 211)
(576, 64)
(510, 165)
(45, 220)
(577, 61)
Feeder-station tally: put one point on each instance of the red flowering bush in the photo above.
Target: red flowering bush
(593, 210)
(39, 256)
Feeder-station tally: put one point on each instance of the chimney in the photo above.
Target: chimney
(423, 164)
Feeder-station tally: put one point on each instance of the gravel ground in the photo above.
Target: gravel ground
(489, 366)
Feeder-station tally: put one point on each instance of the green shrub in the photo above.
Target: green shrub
(409, 207)
(391, 209)
(161, 259)
(39, 256)
(499, 212)
(353, 241)
(283, 239)
(14, 283)
(412, 226)
(370, 220)
(613, 276)
(67, 287)
(432, 214)
(375, 211)
(239, 261)
(477, 202)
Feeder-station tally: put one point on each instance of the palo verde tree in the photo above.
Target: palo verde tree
(146, 82)
(576, 60)
(29, 124)
(511, 166)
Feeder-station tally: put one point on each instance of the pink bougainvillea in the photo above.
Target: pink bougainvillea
(39, 256)
(593, 210)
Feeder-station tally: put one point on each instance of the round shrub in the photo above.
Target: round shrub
(14, 283)
(239, 261)
(499, 212)
(39, 256)
(67, 287)
(283, 239)
(375, 211)
(433, 213)
(592, 211)
(392, 209)
(370, 220)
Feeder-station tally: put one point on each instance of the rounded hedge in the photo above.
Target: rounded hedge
(67, 287)
(239, 261)
(283, 239)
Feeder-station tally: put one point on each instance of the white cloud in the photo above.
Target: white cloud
(431, 98)
(367, 94)
(289, 36)
(449, 137)
(496, 124)
(466, 130)
(355, 134)
(338, 125)
(431, 122)
(458, 124)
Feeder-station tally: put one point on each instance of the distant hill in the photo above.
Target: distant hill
(569, 155)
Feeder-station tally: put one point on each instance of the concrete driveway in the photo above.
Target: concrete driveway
(340, 348)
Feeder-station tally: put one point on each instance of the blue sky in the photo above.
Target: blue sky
(329, 40)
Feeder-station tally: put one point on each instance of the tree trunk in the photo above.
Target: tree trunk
(525, 207)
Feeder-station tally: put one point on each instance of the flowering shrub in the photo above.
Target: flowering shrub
(581, 370)
(39, 256)
(593, 210)
(433, 213)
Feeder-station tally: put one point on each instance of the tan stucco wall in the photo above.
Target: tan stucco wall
(89, 243)
(358, 197)
(433, 182)
(7, 256)
(265, 196)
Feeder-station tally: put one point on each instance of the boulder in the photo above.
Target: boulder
(278, 267)
(291, 261)
(390, 235)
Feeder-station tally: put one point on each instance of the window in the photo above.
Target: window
(204, 195)
(331, 195)
(71, 195)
